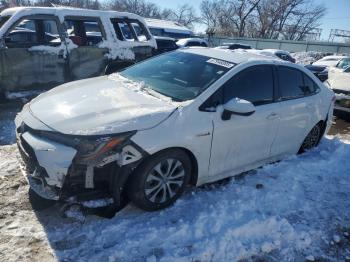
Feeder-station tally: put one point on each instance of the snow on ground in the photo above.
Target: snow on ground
(306, 58)
(294, 210)
(289, 211)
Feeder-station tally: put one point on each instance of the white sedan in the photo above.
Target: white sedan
(339, 80)
(187, 117)
(328, 61)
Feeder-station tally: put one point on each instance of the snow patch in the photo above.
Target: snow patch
(62, 49)
(306, 58)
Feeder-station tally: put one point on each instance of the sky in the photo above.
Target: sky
(337, 17)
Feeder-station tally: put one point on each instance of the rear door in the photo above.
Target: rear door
(34, 57)
(298, 108)
(87, 59)
(132, 30)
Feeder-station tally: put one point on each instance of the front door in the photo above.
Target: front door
(244, 141)
(33, 56)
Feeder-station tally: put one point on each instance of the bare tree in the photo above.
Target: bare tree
(184, 14)
(140, 7)
(276, 19)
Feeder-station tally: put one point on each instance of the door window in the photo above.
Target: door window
(33, 32)
(254, 84)
(310, 86)
(84, 32)
(141, 32)
(123, 30)
(291, 83)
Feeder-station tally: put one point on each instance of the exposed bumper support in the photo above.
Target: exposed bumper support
(53, 157)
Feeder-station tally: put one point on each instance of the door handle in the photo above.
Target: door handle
(272, 116)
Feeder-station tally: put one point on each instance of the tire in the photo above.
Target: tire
(160, 180)
(312, 139)
(38, 203)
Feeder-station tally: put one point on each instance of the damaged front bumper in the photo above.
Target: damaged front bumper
(46, 164)
(58, 172)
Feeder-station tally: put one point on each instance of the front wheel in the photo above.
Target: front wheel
(160, 180)
(312, 139)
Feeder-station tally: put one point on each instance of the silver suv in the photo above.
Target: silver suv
(43, 47)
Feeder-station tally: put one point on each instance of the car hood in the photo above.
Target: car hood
(101, 105)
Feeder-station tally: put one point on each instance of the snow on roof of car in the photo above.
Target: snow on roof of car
(184, 41)
(234, 56)
(164, 38)
(332, 57)
(61, 12)
(64, 11)
(168, 26)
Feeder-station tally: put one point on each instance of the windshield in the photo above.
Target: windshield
(179, 75)
(344, 63)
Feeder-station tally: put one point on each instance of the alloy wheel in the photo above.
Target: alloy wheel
(312, 138)
(164, 180)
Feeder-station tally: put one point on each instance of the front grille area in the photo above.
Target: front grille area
(27, 153)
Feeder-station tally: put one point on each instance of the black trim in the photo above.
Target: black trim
(226, 114)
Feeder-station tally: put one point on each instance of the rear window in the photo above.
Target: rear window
(130, 30)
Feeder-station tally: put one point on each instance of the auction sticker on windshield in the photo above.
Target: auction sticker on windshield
(220, 62)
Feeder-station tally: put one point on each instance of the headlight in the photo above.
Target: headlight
(90, 147)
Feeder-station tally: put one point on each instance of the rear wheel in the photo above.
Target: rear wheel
(312, 139)
(160, 180)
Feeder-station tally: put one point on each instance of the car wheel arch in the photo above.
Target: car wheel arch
(189, 153)
(323, 129)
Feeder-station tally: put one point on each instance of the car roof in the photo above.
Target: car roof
(57, 10)
(234, 56)
(335, 57)
(183, 41)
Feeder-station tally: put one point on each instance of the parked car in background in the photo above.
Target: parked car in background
(282, 54)
(166, 28)
(233, 46)
(192, 116)
(188, 42)
(164, 44)
(43, 47)
(328, 61)
(339, 81)
(321, 72)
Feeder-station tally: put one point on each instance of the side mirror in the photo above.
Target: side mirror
(239, 107)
